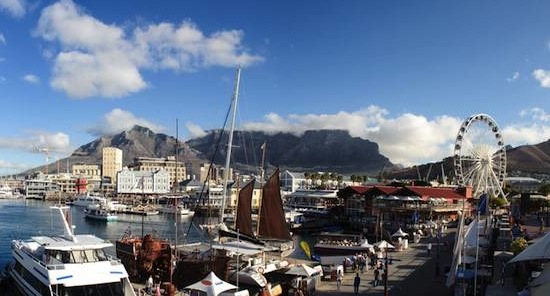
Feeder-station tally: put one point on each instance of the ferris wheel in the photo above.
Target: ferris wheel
(480, 156)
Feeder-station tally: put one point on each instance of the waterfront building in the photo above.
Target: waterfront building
(91, 174)
(291, 181)
(111, 164)
(399, 206)
(176, 170)
(313, 199)
(39, 188)
(143, 182)
(523, 184)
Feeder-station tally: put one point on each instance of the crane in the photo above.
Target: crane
(46, 152)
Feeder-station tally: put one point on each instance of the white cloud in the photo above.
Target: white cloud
(514, 77)
(543, 77)
(30, 78)
(194, 130)
(14, 7)
(98, 59)
(34, 140)
(9, 165)
(537, 114)
(119, 120)
(406, 139)
(2, 39)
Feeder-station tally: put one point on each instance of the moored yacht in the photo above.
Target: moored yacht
(67, 265)
(84, 200)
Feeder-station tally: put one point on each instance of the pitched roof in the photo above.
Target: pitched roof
(426, 192)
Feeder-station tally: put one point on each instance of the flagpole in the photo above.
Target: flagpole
(477, 253)
(238, 255)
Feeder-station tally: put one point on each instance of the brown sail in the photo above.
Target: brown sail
(272, 217)
(243, 222)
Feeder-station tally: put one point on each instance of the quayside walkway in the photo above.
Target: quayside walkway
(412, 272)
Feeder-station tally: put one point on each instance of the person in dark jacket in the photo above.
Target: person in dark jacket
(356, 283)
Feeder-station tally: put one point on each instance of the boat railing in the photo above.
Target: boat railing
(114, 260)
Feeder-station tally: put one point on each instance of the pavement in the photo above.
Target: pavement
(412, 272)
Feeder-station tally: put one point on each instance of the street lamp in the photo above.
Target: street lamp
(385, 277)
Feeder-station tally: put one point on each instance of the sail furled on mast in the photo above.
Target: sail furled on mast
(243, 221)
(272, 222)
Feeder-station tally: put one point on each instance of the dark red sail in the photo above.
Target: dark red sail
(243, 222)
(272, 217)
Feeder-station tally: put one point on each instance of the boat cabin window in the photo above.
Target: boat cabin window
(111, 289)
(92, 255)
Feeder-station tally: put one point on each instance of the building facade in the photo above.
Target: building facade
(143, 182)
(292, 181)
(111, 164)
(176, 170)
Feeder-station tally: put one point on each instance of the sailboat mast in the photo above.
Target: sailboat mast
(176, 190)
(230, 142)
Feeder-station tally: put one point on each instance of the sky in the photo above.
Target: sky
(403, 74)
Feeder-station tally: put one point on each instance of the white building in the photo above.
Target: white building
(143, 182)
(291, 181)
(523, 184)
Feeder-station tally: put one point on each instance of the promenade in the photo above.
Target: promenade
(412, 272)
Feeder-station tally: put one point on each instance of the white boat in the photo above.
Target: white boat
(6, 192)
(170, 209)
(173, 205)
(84, 200)
(67, 265)
(100, 213)
(329, 243)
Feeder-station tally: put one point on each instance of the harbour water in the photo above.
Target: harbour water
(21, 219)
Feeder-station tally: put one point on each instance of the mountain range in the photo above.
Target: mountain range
(315, 150)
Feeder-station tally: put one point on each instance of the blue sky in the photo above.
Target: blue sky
(404, 74)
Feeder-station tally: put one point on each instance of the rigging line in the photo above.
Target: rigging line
(212, 160)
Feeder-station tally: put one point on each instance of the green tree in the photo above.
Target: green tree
(518, 245)
(497, 202)
(545, 189)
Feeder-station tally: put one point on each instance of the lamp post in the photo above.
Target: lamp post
(385, 277)
(438, 250)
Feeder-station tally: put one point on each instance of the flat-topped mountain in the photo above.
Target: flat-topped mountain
(317, 150)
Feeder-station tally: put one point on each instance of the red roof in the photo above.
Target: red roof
(426, 192)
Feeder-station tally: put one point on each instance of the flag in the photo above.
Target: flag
(305, 247)
(457, 252)
(482, 204)
(415, 217)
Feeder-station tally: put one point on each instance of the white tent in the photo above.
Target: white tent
(301, 270)
(211, 285)
(384, 245)
(400, 233)
(537, 251)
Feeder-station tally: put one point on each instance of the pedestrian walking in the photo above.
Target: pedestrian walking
(376, 277)
(339, 279)
(356, 283)
(429, 247)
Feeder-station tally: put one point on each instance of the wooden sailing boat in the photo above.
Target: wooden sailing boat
(272, 226)
(272, 231)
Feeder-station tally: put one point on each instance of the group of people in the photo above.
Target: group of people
(360, 264)
(363, 261)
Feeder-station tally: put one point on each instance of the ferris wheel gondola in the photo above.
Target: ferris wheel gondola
(480, 156)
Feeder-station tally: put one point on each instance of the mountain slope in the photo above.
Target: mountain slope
(320, 150)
